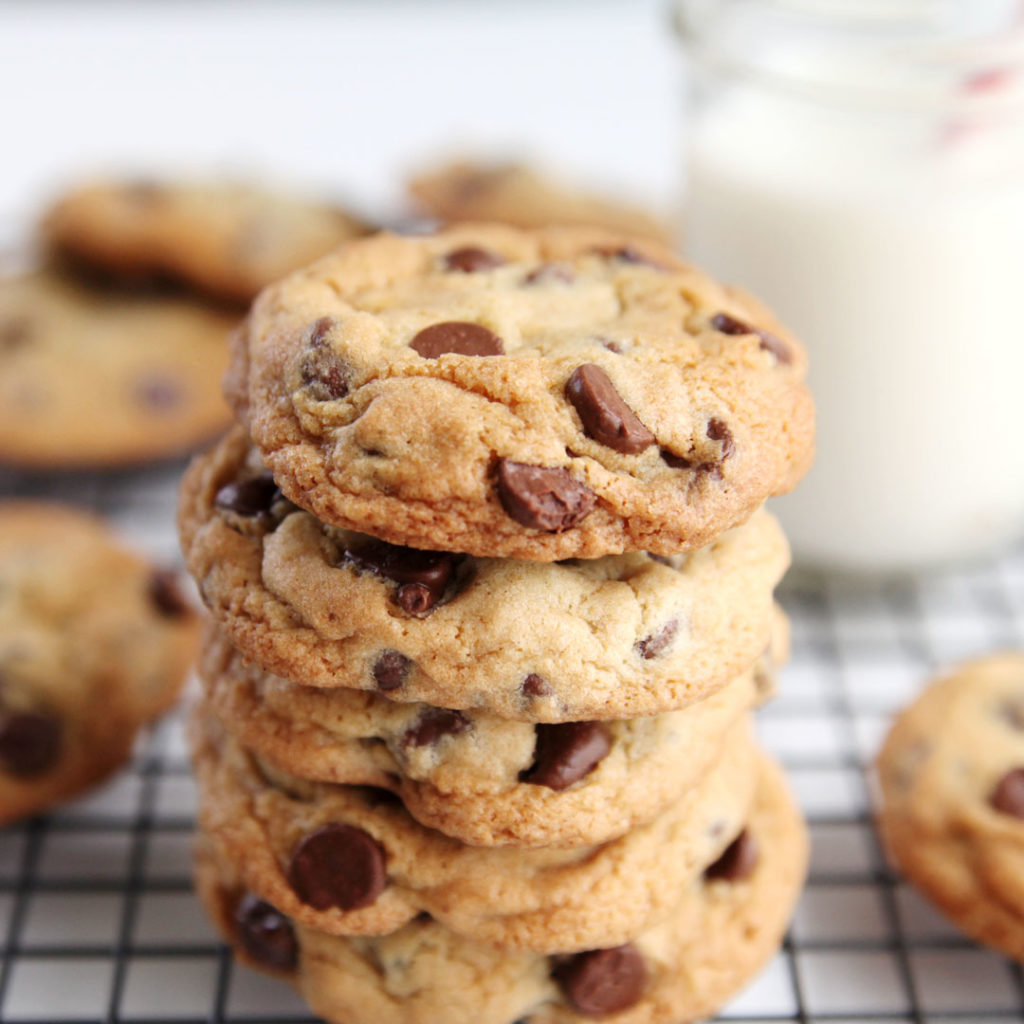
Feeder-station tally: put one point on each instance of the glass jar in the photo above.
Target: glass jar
(859, 166)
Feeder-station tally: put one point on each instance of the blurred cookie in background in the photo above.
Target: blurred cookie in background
(224, 240)
(94, 643)
(512, 193)
(98, 378)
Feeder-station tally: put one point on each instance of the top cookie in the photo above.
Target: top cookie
(541, 395)
(510, 193)
(226, 240)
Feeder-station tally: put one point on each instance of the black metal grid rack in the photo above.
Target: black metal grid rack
(98, 921)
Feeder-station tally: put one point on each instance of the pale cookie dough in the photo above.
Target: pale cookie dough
(351, 860)
(95, 378)
(226, 240)
(724, 927)
(514, 194)
(482, 779)
(952, 782)
(94, 643)
(618, 637)
(543, 395)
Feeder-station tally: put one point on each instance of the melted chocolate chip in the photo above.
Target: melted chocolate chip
(434, 723)
(424, 575)
(457, 336)
(737, 861)
(266, 934)
(603, 981)
(252, 497)
(324, 375)
(536, 686)
(567, 752)
(471, 260)
(675, 461)
(390, 670)
(551, 273)
(727, 324)
(338, 866)
(541, 497)
(606, 417)
(29, 742)
(161, 394)
(628, 254)
(166, 596)
(1012, 713)
(1008, 796)
(718, 431)
(655, 644)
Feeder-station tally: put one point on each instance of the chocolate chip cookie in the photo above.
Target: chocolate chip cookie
(616, 637)
(226, 240)
(351, 860)
(94, 643)
(542, 395)
(483, 779)
(510, 193)
(723, 927)
(92, 378)
(952, 782)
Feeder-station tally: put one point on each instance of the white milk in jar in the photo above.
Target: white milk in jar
(865, 177)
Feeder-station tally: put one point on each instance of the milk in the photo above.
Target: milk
(893, 246)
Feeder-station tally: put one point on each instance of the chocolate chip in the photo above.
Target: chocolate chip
(471, 260)
(15, 332)
(675, 461)
(718, 431)
(737, 861)
(458, 336)
(143, 192)
(166, 595)
(338, 866)
(251, 497)
(628, 254)
(424, 574)
(390, 670)
(606, 417)
(566, 752)
(29, 742)
(536, 686)
(551, 273)
(159, 393)
(655, 644)
(727, 324)
(324, 375)
(266, 934)
(1008, 796)
(542, 497)
(603, 981)
(434, 723)
(1012, 712)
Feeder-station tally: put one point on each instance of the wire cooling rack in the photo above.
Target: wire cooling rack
(99, 923)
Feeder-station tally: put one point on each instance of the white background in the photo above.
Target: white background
(346, 96)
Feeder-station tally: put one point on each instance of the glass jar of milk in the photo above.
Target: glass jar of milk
(859, 165)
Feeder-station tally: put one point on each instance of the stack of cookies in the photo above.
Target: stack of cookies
(492, 590)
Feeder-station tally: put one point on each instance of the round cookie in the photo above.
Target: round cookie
(724, 927)
(612, 638)
(951, 773)
(541, 395)
(94, 643)
(94, 378)
(351, 860)
(226, 240)
(514, 194)
(482, 779)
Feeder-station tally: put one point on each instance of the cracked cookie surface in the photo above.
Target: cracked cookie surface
(617, 637)
(724, 926)
(952, 780)
(540, 395)
(482, 779)
(94, 643)
(226, 240)
(351, 860)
